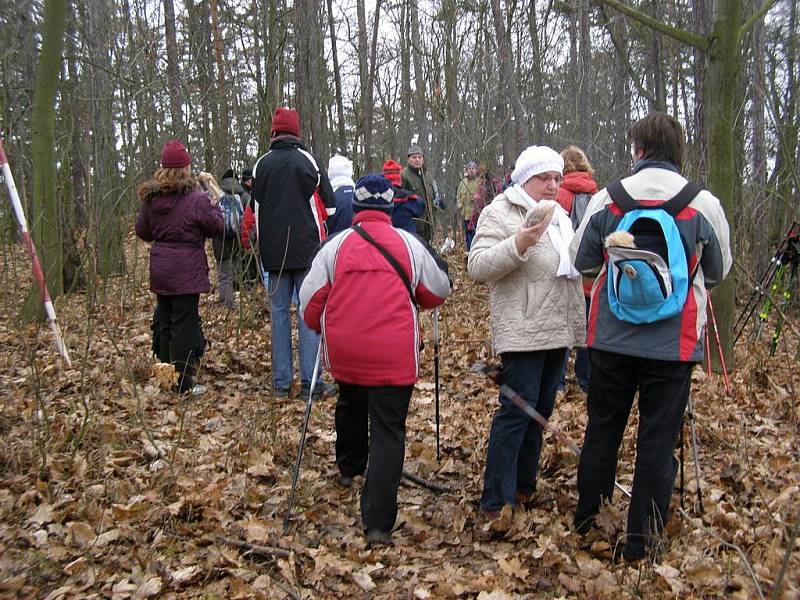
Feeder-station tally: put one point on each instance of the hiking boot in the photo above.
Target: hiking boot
(378, 537)
(281, 392)
(321, 390)
(198, 389)
(346, 480)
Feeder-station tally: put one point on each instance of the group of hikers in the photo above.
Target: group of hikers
(621, 274)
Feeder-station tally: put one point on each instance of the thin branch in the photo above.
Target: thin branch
(729, 545)
(264, 551)
(626, 57)
(687, 37)
(435, 487)
(756, 17)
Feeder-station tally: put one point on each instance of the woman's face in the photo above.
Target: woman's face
(543, 186)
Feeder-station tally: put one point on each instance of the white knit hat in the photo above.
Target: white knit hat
(535, 160)
(340, 166)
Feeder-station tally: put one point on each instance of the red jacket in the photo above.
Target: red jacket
(248, 227)
(575, 182)
(356, 298)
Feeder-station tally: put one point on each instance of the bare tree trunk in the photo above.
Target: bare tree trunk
(511, 94)
(367, 95)
(700, 18)
(585, 83)
(405, 75)
(45, 225)
(420, 94)
(308, 54)
(221, 127)
(108, 202)
(337, 80)
(173, 79)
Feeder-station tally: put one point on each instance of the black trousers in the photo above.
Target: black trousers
(663, 388)
(178, 336)
(371, 434)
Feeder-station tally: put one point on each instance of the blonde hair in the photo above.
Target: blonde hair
(210, 185)
(575, 160)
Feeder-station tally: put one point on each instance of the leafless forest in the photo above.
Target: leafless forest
(111, 487)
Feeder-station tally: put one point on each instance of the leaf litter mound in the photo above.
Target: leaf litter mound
(111, 487)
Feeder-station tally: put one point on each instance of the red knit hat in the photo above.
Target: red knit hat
(175, 155)
(391, 170)
(285, 120)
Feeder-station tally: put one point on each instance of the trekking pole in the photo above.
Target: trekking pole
(38, 273)
(759, 291)
(682, 486)
(520, 403)
(436, 373)
(726, 379)
(695, 454)
(296, 473)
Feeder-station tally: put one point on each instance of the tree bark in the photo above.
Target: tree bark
(173, 77)
(45, 222)
(337, 81)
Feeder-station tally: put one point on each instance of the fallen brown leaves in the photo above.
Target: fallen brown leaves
(111, 487)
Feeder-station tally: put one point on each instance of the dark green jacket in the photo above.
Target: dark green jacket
(424, 186)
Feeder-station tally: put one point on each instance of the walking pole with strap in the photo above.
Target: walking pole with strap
(436, 373)
(296, 474)
(534, 414)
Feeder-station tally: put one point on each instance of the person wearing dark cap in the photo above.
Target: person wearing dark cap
(293, 197)
(415, 177)
(366, 308)
(227, 247)
(465, 195)
(408, 207)
(177, 217)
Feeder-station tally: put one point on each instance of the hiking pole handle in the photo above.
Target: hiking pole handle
(296, 473)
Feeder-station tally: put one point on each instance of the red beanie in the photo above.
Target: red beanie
(175, 155)
(391, 170)
(285, 120)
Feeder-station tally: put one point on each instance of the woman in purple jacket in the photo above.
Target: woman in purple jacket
(177, 216)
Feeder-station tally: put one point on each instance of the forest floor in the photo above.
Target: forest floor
(113, 488)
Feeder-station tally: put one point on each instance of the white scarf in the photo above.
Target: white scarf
(342, 180)
(559, 230)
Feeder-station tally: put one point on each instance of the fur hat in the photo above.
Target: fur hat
(415, 149)
(228, 174)
(373, 192)
(535, 160)
(285, 120)
(175, 155)
(391, 170)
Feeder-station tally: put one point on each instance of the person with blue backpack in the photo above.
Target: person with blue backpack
(228, 246)
(655, 244)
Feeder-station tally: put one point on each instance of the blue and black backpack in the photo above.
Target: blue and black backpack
(231, 207)
(649, 282)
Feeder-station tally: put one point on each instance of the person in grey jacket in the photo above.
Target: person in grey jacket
(654, 359)
(537, 314)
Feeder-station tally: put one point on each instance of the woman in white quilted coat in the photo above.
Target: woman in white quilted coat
(537, 314)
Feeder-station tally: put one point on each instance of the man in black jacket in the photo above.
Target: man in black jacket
(293, 197)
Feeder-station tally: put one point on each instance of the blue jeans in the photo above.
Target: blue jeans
(468, 235)
(515, 440)
(283, 287)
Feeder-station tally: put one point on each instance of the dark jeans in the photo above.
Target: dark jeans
(178, 336)
(583, 364)
(371, 423)
(663, 388)
(468, 235)
(515, 440)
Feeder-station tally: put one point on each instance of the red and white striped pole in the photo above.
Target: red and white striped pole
(38, 274)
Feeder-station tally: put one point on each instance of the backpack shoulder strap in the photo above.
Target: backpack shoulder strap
(391, 259)
(682, 199)
(620, 196)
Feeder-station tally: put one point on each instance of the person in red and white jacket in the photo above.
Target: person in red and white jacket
(370, 336)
